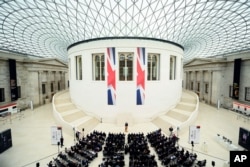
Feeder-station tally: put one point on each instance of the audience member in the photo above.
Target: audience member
(86, 149)
(61, 141)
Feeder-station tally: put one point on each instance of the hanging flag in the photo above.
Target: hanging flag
(140, 81)
(111, 81)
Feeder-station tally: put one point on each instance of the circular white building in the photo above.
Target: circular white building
(117, 79)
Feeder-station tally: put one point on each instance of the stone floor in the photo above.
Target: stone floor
(31, 136)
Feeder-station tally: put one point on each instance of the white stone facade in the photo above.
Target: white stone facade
(91, 95)
(31, 74)
(212, 78)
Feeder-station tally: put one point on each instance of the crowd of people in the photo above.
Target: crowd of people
(169, 152)
(115, 146)
(82, 153)
(113, 151)
(139, 153)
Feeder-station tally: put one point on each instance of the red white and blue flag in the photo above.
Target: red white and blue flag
(140, 81)
(111, 81)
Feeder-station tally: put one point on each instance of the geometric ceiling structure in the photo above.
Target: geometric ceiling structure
(204, 28)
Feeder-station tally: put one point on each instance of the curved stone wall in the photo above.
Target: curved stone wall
(130, 79)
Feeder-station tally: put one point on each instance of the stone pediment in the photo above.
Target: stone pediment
(52, 61)
(203, 61)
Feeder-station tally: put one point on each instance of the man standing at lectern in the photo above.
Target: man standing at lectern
(126, 127)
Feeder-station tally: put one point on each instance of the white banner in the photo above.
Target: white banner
(56, 133)
(194, 134)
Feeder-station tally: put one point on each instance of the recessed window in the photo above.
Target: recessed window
(206, 87)
(126, 66)
(153, 67)
(43, 88)
(247, 93)
(2, 95)
(19, 91)
(236, 91)
(230, 91)
(172, 68)
(98, 67)
(52, 87)
(59, 86)
(69, 67)
(78, 68)
(198, 86)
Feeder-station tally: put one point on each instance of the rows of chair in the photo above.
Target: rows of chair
(139, 153)
(113, 151)
(62, 160)
(169, 153)
(137, 145)
(82, 153)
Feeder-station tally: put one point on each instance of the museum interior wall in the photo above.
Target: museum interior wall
(221, 80)
(30, 80)
(138, 78)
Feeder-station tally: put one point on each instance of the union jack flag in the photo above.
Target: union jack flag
(140, 82)
(111, 81)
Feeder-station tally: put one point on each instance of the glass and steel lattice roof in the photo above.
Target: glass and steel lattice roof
(204, 28)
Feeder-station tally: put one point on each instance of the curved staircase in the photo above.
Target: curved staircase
(69, 116)
(182, 115)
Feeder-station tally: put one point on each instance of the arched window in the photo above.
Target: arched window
(172, 68)
(98, 67)
(126, 66)
(78, 67)
(153, 67)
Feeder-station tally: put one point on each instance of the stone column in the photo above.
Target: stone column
(187, 79)
(40, 73)
(60, 80)
(201, 85)
(48, 84)
(195, 82)
(56, 82)
(192, 80)
(210, 87)
(63, 80)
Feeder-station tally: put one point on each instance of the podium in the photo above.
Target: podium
(122, 118)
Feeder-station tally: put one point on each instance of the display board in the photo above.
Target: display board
(56, 134)
(194, 134)
(5, 140)
(244, 138)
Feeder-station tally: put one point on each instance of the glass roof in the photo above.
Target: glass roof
(204, 28)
